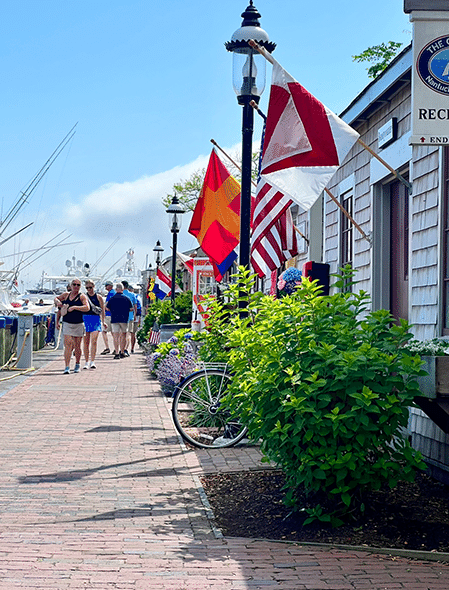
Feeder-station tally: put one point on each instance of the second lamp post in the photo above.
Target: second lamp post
(158, 254)
(175, 212)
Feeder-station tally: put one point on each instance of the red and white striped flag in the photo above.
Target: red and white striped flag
(155, 335)
(305, 143)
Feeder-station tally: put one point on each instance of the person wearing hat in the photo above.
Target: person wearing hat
(107, 318)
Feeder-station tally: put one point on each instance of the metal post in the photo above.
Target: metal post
(173, 266)
(25, 340)
(245, 202)
(245, 194)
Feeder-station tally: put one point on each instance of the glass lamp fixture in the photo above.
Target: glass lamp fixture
(248, 66)
(175, 211)
(158, 253)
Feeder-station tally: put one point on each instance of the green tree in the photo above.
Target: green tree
(188, 190)
(380, 54)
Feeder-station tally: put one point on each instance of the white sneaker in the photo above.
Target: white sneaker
(86, 366)
(93, 365)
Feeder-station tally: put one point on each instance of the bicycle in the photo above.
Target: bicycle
(198, 413)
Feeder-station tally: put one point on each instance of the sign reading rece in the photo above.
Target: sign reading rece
(430, 77)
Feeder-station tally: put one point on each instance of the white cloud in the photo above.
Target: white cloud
(131, 210)
(129, 207)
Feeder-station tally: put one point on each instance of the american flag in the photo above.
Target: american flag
(274, 238)
(155, 335)
(273, 235)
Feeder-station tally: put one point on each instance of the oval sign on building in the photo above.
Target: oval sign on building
(430, 76)
(433, 65)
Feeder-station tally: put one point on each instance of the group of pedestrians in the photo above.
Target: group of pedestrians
(84, 316)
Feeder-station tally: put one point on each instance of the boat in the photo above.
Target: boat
(128, 271)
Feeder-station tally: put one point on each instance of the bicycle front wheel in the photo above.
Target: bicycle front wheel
(199, 415)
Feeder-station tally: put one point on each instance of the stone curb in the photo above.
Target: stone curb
(405, 553)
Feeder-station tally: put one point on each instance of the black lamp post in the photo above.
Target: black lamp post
(158, 254)
(249, 82)
(174, 211)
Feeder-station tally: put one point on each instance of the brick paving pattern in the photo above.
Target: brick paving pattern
(97, 492)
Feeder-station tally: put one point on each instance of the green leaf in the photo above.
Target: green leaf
(346, 498)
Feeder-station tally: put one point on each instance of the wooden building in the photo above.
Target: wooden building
(403, 259)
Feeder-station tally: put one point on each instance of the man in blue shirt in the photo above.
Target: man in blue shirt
(119, 306)
(132, 315)
(107, 319)
(137, 317)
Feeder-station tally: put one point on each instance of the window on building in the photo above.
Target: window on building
(302, 244)
(346, 233)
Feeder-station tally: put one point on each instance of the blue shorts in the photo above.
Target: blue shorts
(92, 323)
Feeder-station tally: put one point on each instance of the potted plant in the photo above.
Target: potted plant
(435, 354)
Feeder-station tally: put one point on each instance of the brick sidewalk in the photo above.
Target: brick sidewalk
(97, 492)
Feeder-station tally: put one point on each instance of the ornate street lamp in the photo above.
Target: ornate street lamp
(158, 254)
(249, 82)
(175, 212)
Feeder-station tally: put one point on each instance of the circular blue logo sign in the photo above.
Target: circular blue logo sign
(433, 65)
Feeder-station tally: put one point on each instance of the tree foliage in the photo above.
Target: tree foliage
(380, 54)
(188, 190)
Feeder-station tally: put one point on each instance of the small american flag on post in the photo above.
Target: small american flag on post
(155, 334)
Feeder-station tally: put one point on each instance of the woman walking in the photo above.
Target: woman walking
(72, 305)
(93, 323)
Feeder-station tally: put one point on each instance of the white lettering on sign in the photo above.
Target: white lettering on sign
(435, 46)
(440, 87)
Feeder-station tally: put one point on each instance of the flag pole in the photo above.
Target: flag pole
(346, 213)
(253, 182)
(387, 166)
(262, 51)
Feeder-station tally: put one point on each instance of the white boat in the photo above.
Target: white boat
(128, 271)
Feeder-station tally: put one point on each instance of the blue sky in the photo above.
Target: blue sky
(149, 83)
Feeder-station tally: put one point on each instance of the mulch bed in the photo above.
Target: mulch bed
(412, 516)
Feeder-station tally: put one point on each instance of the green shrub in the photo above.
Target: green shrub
(326, 385)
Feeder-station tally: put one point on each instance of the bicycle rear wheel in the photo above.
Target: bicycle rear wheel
(199, 415)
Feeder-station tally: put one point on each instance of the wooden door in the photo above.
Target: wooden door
(399, 257)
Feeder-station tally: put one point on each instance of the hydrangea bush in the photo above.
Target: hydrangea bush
(325, 384)
(289, 280)
(173, 360)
